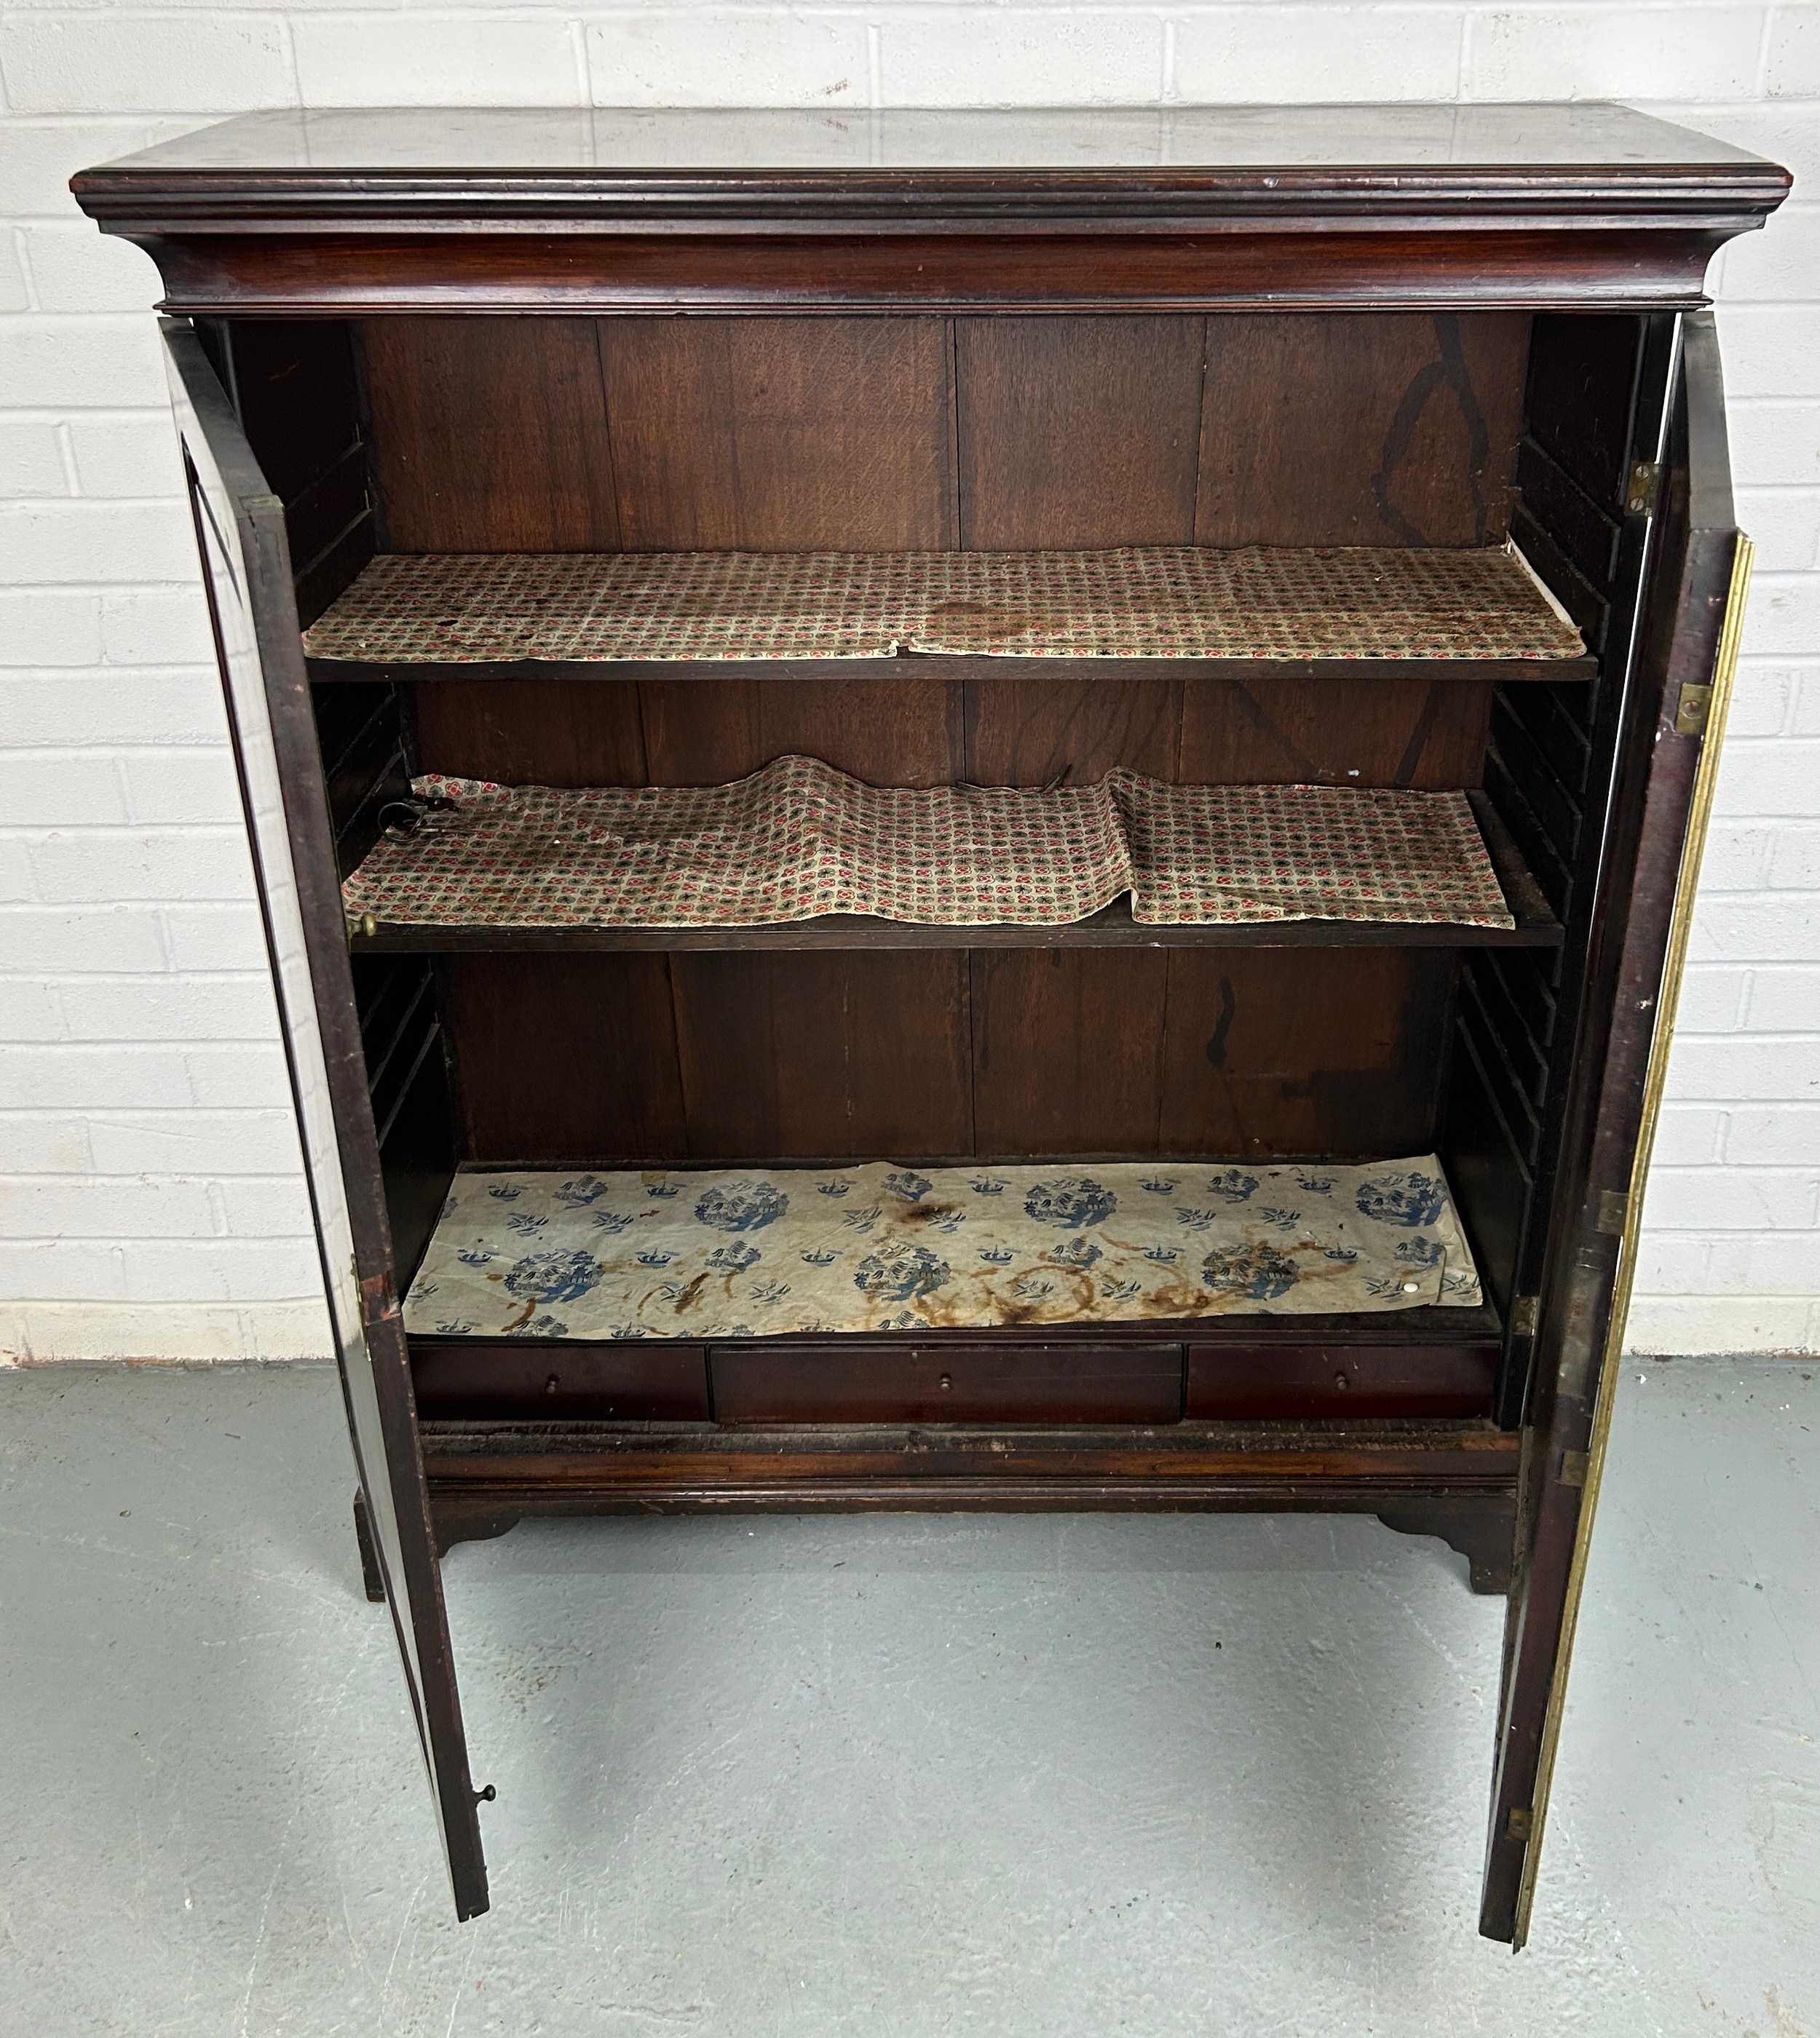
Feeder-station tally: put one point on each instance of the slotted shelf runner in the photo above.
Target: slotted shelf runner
(1178, 601)
(783, 1252)
(799, 840)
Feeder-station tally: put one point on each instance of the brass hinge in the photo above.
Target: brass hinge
(1693, 707)
(1526, 1313)
(1614, 1211)
(1573, 1468)
(1520, 1824)
(1643, 488)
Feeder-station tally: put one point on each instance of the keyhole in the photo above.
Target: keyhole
(946, 1382)
(1341, 1382)
(551, 1385)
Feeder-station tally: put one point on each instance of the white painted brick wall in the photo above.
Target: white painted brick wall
(149, 1196)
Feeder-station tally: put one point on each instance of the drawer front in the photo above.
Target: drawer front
(477, 1380)
(1240, 1383)
(929, 1383)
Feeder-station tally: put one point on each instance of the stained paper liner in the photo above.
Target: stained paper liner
(887, 1247)
(798, 840)
(1177, 601)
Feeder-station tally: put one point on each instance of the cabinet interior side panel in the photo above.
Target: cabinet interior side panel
(1549, 761)
(296, 388)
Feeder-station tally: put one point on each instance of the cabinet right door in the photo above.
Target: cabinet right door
(1652, 831)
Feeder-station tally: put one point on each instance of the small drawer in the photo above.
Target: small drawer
(478, 1380)
(1243, 1383)
(779, 1382)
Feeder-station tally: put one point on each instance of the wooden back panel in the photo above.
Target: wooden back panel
(605, 1059)
(877, 434)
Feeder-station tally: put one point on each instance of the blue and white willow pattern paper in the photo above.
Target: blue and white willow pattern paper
(766, 1252)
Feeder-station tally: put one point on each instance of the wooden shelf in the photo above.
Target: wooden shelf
(1113, 928)
(1165, 612)
(952, 670)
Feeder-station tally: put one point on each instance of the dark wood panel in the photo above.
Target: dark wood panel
(1506, 1009)
(1068, 1051)
(781, 434)
(531, 733)
(1372, 429)
(1527, 987)
(897, 730)
(1532, 771)
(1299, 1052)
(417, 1163)
(1238, 1383)
(1541, 857)
(565, 1059)
(1589, 609)
(1585, 532)
(1487, 1171)
(855, 1382)
(1077, 431)
(505, 1379)
(849, 1055)
(295, 390)
(1557, 721)
(1582, 385)
(1334, 732)
(490, 435)
(1030, 732)
(363, 746)
(324, 513)
(1504, 1067)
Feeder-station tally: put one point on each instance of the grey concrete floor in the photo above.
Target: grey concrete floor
(1052, 1775)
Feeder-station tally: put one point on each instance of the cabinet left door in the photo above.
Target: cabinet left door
(247, 574)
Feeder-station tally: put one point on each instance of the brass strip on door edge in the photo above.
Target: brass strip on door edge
(1700, 816)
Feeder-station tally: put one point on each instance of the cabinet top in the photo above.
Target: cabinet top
(1177, 209)
(1392, 157)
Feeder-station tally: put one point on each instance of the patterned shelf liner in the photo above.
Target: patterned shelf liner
(775, 1252)
(799, 839)
(1175, 601)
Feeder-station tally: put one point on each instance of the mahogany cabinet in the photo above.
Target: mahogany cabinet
(595, 452)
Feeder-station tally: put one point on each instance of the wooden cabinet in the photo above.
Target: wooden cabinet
(991, 811)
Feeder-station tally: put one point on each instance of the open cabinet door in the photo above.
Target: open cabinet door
(247, 573)
(1654, 829)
